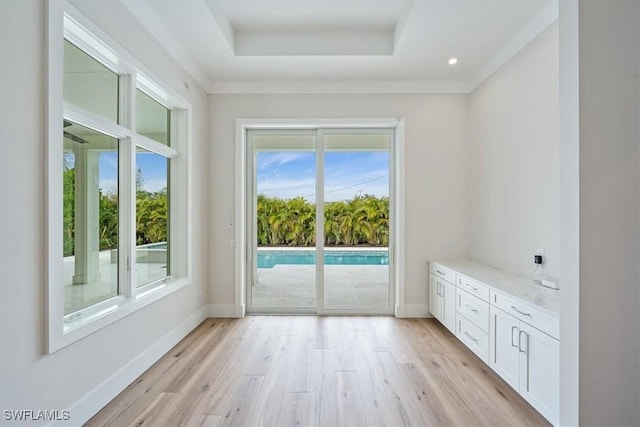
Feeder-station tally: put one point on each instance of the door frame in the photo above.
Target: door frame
(243, 251)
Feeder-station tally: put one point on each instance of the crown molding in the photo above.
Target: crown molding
(149, 20)
(337, 87)
(154, 25)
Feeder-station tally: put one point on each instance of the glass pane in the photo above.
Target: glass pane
(90, 217)
(89, 84)
(153, 118)
(356, 216)
(285, 265)
(152, 217)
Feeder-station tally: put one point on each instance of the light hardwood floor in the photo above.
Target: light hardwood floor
(318, 371)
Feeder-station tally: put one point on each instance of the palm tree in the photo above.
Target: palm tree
(361, 220)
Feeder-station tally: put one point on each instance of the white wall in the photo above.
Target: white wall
(436, 175)
(30, 378)
(609, 215)
(569, 214)
(515, 161)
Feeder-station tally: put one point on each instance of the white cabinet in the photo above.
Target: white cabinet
(527, 359)
(539, 371)
(504, 357)
(442, 301)
(472, 314)
(507, 322)
(450, 306)
(442, 295)
(473, 337)
(436, 298)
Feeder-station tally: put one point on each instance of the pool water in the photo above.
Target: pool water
(160, 245)
(268, 259)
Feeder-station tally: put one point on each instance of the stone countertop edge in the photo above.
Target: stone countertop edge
(514, 285)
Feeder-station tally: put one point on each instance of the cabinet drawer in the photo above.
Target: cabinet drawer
(527, 313)
(474, 309)
(473, 287)
(443, 272)
(473, 337)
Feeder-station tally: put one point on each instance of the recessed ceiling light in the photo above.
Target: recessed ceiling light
(453, 61)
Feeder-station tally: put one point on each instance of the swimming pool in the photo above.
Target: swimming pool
(270, 258)
(159, 245)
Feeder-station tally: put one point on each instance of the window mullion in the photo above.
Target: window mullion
(127, 227)
(151, 145)
(127, 242)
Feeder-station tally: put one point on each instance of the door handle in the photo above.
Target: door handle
(514, 328)
(526, 351)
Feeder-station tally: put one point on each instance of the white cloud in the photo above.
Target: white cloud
(267, 160)
(108, 186)
(153, 185)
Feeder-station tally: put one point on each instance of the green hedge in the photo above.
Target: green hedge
(363, 220)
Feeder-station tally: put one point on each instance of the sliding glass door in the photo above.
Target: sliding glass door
(319, 221)
(356, 220)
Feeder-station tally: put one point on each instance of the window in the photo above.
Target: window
(118, 152)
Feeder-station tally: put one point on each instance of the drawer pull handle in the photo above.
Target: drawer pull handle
(514, 328)
(513, 307)
(470, 287)
(471, 308)
(471, 336)
(440, 272)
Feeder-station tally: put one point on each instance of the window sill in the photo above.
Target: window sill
(112, 310)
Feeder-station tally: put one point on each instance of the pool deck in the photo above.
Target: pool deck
(82, 295)
(347, 287)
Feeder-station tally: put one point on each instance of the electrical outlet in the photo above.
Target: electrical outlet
(446, 243)
(537, 259)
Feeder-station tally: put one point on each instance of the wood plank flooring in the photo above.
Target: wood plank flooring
(318, 371)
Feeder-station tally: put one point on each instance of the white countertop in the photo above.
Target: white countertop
(521, 287)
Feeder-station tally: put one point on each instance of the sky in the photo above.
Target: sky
(346, 174)
(153, 167)
(280, 174)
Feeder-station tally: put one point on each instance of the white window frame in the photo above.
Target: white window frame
(242, 207)
(65, 22)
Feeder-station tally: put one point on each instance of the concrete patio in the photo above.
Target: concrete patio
(349, 287)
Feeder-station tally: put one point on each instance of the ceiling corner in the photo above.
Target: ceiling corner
(534, 27)
(222, 22)
(407, 7)
(155, 26)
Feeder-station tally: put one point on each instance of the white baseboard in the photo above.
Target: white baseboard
(89, 405)
(412, 310)
(224, 310)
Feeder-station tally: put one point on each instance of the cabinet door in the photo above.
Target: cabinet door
(539, 371)
(436, 301)
(504, 356)
(449, 292)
